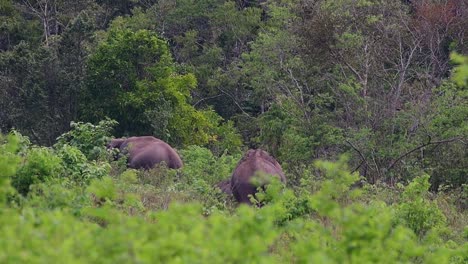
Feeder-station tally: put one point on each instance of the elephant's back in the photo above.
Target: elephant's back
(173, 158)
(247, 169)
(134, 145)
(155, 152)
(254, 161)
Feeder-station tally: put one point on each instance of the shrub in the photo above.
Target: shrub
(8, 163)
(78, 168)
(39, 165)
(90, 139)
(58, 194)
(121, 220)
(201, 164)
(416, 211)
(104, 190)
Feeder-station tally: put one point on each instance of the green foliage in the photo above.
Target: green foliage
(23, 67)
(15, 27)
(8, 163)
(115, 219)
(448, 164)
(78, 168)
(416, 211)
(103, 189)
(129, 176)
(335, 187)
(460, 73)
(201, 164)
(132, 72)
(57, 195)
(290, 140)
(226, 138)
(348, 231)
(237, 28)
(274, 124)
(291, 76)
(202, 171)
(302, 79)
(89, 139)
(138, 20)
(39, 165)
(450, 110)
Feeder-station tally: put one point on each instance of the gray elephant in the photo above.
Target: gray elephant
(225, 186)
(254, 161)
(146, 151)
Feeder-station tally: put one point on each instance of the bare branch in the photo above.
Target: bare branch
(420, 147)
(234, 100)
(206, 98)
(358, 151)
(359, 166)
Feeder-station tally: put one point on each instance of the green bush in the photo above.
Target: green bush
(78, 168)
(416, 211)
(39, 164)
(104, 190)
(342, 229)
(90, 139)
(127, 218)
(58, 194)
(201, 164)
(8, 163)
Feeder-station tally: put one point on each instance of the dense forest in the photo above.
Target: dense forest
(364, 103)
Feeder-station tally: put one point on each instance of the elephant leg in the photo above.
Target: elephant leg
(242, 190)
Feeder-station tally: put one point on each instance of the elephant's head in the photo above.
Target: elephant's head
(113, 147)
(115, 143)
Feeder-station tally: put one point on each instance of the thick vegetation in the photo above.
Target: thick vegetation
(303, 79)
(363, 102)
(65, 207)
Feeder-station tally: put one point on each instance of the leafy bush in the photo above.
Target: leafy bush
(226, 139)
(8, 163)
(78, 168)
(58, 194)
(39, 165)
(447, 164)
(416, 211)
(201, 164)
(325, 219)
(104, 190)
(90, 139)
(344, 230)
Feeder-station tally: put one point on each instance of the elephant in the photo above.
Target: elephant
(146, 151)
(254, 161)
(225, 186)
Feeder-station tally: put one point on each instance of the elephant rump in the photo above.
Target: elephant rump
(254, 162)
(146, 152)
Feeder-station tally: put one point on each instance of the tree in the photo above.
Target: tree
(132, 78)
(14, 27)
(40, 83)
(28, 90)
(447, 129)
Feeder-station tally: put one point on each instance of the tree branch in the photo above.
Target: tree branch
(234, 100)
(206, 98)
(359, 166)
(418, 148)
(360, 154)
